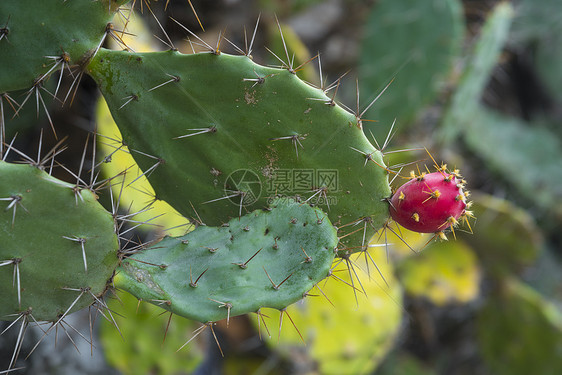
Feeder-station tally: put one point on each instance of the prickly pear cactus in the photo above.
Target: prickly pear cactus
(40, 37)
(267, 258)
(58, 247)
(219, 135)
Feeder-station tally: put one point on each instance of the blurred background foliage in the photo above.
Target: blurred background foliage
(476, 82)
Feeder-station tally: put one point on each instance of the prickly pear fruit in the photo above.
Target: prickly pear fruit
(429, 203)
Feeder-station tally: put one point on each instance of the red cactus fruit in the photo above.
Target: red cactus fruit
(429, 203)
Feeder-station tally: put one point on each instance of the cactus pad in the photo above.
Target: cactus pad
(514, 316)
(264, 259)
(403, 43)
(58, 248)
(218, 135)
(40, 37)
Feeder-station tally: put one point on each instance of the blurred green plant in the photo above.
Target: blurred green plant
(520, 332)
(147, 341)
(525, 155)
(540, 28)
(506, 239)
(413, 44)
(444, 272)
(481, 60)
(352, 331)
(404, 364)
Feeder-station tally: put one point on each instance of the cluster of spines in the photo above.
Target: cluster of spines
(63, 62)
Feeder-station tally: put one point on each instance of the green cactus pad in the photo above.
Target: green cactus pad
(539, 28)
(403, 43)
(507, 239)
(56, 243)
(514, 316)
(219, 135)
(480, 63)
(264, 259)
(514, 149)
(37, 33)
